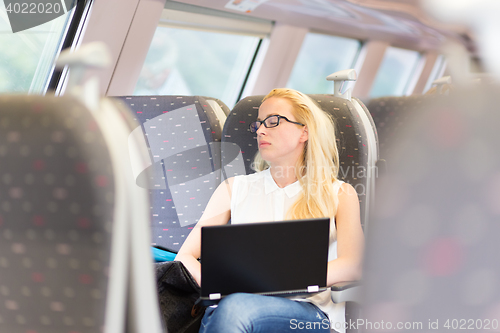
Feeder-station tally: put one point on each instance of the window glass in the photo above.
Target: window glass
(437, 71)
(395, 72)
(320, 56)
(27, 57)
(192, 62)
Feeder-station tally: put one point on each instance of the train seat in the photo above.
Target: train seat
(390, 114)
(218, 106)
(64, 221)
(431, 259)
(355, 149)
(358, 153)
(184, 162)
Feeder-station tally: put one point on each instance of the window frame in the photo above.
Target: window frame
(437, 71)
(355, 64)
(72, 37)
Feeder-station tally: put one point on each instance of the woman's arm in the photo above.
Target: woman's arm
(217, 212)
(350, 239)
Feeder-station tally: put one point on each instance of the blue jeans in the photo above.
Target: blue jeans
(256, 313)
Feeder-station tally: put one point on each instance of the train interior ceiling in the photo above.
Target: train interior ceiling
(415, 79)
(277, 45)
(229, 50)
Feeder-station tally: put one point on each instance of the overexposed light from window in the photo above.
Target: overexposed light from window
(194, 62)
(395, 72)
(320, 56)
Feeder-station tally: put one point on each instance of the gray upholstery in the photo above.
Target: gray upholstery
(391, 114)
(56, 215)
(432, 251)
(183, 136)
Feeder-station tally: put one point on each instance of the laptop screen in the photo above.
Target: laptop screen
(264, 257)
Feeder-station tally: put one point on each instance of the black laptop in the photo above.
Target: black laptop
(286, 258)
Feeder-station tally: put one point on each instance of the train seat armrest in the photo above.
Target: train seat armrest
(346, 292)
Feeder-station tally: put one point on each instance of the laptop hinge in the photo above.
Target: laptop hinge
(214, 296)
(312, 289)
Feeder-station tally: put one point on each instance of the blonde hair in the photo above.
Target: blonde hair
(318, 166)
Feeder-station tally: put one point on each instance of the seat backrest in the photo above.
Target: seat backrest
(225, 109)
(56, 218)
(182, 134)
(356, 164)
(432, 256)
(391, 115)
(133, 235)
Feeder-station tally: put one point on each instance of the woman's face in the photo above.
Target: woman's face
(281, 145)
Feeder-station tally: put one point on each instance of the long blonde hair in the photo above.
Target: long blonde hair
(318, 166)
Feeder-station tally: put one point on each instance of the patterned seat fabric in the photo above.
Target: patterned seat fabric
(351, 138)
(432, 258)
(391, 114)
(183, 136)
(56, 215)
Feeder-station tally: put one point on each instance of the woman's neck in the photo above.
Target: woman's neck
(283, 175)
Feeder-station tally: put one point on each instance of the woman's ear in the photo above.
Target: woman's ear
(305, 135)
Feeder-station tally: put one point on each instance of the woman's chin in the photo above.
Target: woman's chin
(265, 156)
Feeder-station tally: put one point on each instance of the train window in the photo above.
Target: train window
(200, 51)
(320, 56)
(437, 71)
(193, 62)
(395, 72)
(27, 63)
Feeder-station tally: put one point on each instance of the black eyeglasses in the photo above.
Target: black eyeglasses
(270, 122)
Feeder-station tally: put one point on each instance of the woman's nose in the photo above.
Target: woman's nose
(261, 130)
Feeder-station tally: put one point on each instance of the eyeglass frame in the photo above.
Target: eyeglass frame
(263, 122)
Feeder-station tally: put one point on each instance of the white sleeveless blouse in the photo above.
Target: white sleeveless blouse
(257, 198)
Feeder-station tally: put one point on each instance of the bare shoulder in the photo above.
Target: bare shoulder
(218, 208)
(226, 185)
(230, 179)
(348, 200)
(347, 189)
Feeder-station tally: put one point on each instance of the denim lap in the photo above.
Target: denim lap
(256, 313)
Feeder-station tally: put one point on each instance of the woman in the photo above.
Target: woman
(297, 168)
